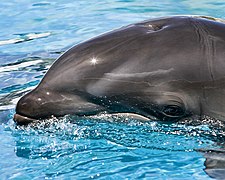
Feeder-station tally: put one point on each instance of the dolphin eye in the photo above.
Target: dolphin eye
(173, 111)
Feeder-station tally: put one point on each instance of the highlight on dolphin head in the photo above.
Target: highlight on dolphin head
(164, 69)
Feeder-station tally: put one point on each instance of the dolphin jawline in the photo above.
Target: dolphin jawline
(22, 120)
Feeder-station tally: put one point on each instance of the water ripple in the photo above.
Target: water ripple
(103, 147)
(24, 38)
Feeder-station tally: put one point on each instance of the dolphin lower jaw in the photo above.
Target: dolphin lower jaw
(22, 120)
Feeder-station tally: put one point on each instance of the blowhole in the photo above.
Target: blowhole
(153, 27)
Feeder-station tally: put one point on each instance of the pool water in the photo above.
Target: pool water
(32, 35)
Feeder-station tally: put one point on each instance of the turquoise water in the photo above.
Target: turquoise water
(32, 35)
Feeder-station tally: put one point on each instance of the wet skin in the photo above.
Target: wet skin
(163, 69)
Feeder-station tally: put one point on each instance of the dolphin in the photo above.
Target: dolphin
(164, 69)
(214, 162)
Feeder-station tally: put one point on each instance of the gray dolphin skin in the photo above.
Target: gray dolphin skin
(214, 163)
(162, 69)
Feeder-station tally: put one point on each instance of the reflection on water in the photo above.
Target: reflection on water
(24, 37)
(72, 146)
(33, 34)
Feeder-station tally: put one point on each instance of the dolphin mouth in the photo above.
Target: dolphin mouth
(22, 120)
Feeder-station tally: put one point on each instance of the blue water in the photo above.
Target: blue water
(32, 35)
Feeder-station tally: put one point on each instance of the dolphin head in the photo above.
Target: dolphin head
(165, 69)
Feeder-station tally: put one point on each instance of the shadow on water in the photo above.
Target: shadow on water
(215, 161)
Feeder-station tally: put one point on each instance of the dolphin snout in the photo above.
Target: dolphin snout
(27, 109)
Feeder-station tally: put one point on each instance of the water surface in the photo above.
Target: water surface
(33, 34)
